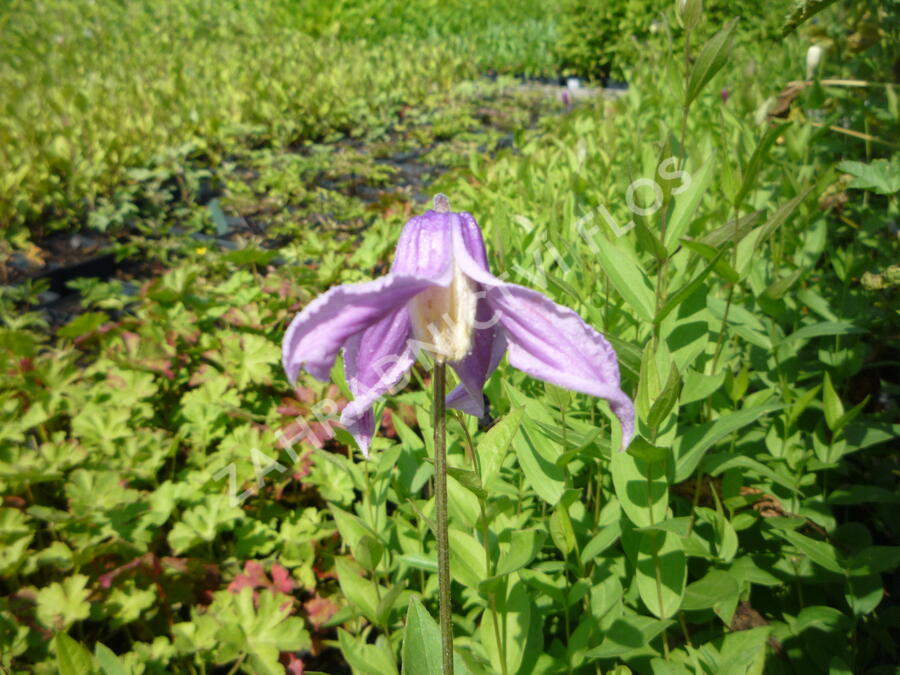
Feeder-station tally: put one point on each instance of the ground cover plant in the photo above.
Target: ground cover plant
(171, 503)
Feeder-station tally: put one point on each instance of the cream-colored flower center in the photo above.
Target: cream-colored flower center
(443, 319)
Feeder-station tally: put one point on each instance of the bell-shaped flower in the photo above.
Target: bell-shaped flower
(440, 296)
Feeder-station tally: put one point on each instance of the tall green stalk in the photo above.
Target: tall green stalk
(440, 500)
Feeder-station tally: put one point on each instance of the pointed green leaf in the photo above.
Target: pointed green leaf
(666, 400)
(421, 642)
(661, 572)
(712, 57)
(628, 279)
(834, 409)
(493, 445)
(108, 661)
(71, 656)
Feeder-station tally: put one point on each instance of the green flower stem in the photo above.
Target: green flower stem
(440, 500)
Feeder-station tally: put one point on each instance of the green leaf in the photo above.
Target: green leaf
(59, 605)
(368, 552)
(881, 176)
(421, 642)
(641, 449)
(641, 488)
(849, 416)
(467, 561)
(203, 522)
(561, 529)
(687, 203)
(610, 529)
(824, 328)
(351, 528)
(820, 552)
(366, 658)
(628, 634)
(387, 603)
(360, 591)
(628, 279)
(257, 355)
(864, 593)
(690, 448)
(661, 572)
(83, 324)
(257, 626)
(712, 57)
(720, 462)
(722, 267)
(731, 232)
(781, 285)
(801, 404)
(864, 434)
(108, 661)
(874, 560)
(780, 216)
(666, 400)
(698, 386)
(718, 591)
(649, 382)
(537, 457)
(606, 597)
(524, 545)
(493, 446)
(834, 409)
(740, 652)
(514, 619)
(863, 494)
(469, 480)
(71, 657)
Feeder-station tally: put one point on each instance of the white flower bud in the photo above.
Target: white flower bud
(813, 58)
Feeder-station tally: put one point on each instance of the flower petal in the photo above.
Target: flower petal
(468, 250)
(472, 239)
(316, 334)
(554, 344)
(375, 360)
(424, 248)
(488, 347)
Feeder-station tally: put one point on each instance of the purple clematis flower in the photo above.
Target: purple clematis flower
(440, 295)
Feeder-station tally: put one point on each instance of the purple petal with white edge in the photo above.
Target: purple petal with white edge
(424, 247)
(316, 334)
(472, 239)
(468, 251)
(554, 344)
(488, 347)
(375, 361)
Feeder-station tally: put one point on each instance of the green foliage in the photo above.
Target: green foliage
(597, 39)
(107, 106)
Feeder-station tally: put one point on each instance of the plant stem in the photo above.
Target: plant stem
(440, 500)
(237, 664)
